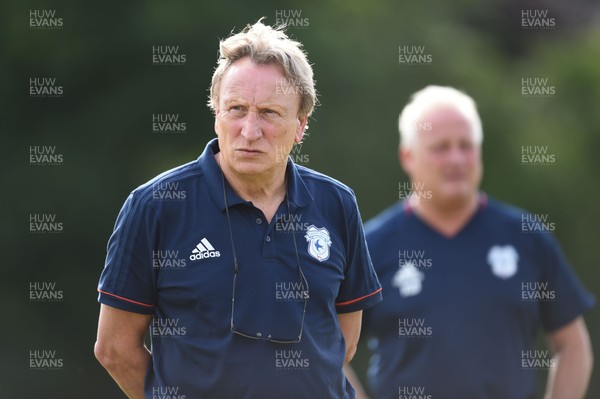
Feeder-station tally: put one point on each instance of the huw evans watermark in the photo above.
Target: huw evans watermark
(168, 123)
(168, 55)
(45, 20)
(416, 258)
(45, 360)
(538, 155)
(536, 223)
(45, 223)
(291, 19)
(537, 87)
(44, 291)
(290, 291)
(168, 191)
(283, 153)
(414, 55)
(45, 88)
(409, 190)
(413, 392)
(168, 260)
(537, 291)
(537, 360)
(45, 155)
(291, 360)
(167, 392)
(167, 327)
(413, 328)
(537, 20)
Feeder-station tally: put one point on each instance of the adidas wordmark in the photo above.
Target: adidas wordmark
(204, 250)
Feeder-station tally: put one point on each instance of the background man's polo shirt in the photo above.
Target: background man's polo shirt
(461, 314)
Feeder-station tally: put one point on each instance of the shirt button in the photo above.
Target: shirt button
(258, 220)
(268, 238)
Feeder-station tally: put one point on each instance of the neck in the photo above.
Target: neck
(447, 219)
(265, 191)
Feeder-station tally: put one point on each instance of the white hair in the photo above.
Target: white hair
(267, 45)
(411, 118)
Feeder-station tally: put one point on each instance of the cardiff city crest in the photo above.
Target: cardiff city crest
(319, 242)
(408, 279)
(503, 260)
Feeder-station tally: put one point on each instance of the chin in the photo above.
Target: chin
(458, 197)
(250, 168)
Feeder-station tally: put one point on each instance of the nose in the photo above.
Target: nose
(251, 127)
(456, 154)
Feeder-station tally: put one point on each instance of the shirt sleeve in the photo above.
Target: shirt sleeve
(360, 288)
(127, 281)
(569, 298)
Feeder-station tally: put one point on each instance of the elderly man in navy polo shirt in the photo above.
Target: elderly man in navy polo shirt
(470, 285)
(250, 272)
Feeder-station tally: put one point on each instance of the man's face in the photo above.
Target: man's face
(257, 119)
(444, 158)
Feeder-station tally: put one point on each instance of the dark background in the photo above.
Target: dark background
(102, 125)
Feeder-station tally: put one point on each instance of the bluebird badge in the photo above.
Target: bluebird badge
(319, 242)
(503, 260)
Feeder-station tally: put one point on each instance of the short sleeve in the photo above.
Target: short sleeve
(568, 297)
(360, 288)
(127, 281)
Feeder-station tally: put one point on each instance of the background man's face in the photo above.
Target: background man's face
(257, 118)
(445, 157)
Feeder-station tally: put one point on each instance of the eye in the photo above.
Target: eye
(270, 112)
(439, 147)
(466, 145)
(236, 110)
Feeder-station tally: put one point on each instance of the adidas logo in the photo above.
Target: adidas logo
(203, 250)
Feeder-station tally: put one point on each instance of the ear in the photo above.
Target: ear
(300, 128)
(405, 156)
(217, 121)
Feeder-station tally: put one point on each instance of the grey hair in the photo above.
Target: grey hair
(431, 97)
(267, 45)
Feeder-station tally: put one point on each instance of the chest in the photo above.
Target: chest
(193, 258)
(460, 284)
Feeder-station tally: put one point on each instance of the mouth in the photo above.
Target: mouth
(455, 177)
(247, 151)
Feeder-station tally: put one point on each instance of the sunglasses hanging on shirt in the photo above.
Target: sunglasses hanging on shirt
(278, 327)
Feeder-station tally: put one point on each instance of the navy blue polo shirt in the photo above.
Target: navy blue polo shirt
(170, 256)
(461, 315)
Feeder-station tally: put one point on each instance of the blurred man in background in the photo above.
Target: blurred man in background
(251, 272)
(469, 281)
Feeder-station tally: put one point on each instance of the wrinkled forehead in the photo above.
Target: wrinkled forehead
(245, 72)
(251, 81)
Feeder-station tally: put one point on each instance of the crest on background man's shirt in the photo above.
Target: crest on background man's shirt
(319, 242)
(503, 260)
(408, 279)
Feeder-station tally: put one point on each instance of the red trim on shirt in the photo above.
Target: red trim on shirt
(357, 299)
(483, 200)
(125, 299)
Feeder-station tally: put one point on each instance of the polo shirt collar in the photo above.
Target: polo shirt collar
(299, 194)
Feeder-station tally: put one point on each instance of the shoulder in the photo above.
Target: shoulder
(387, 229)
(503, 211)
(386, 221)
(174, 180)
(528, 227)
(323, 185)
